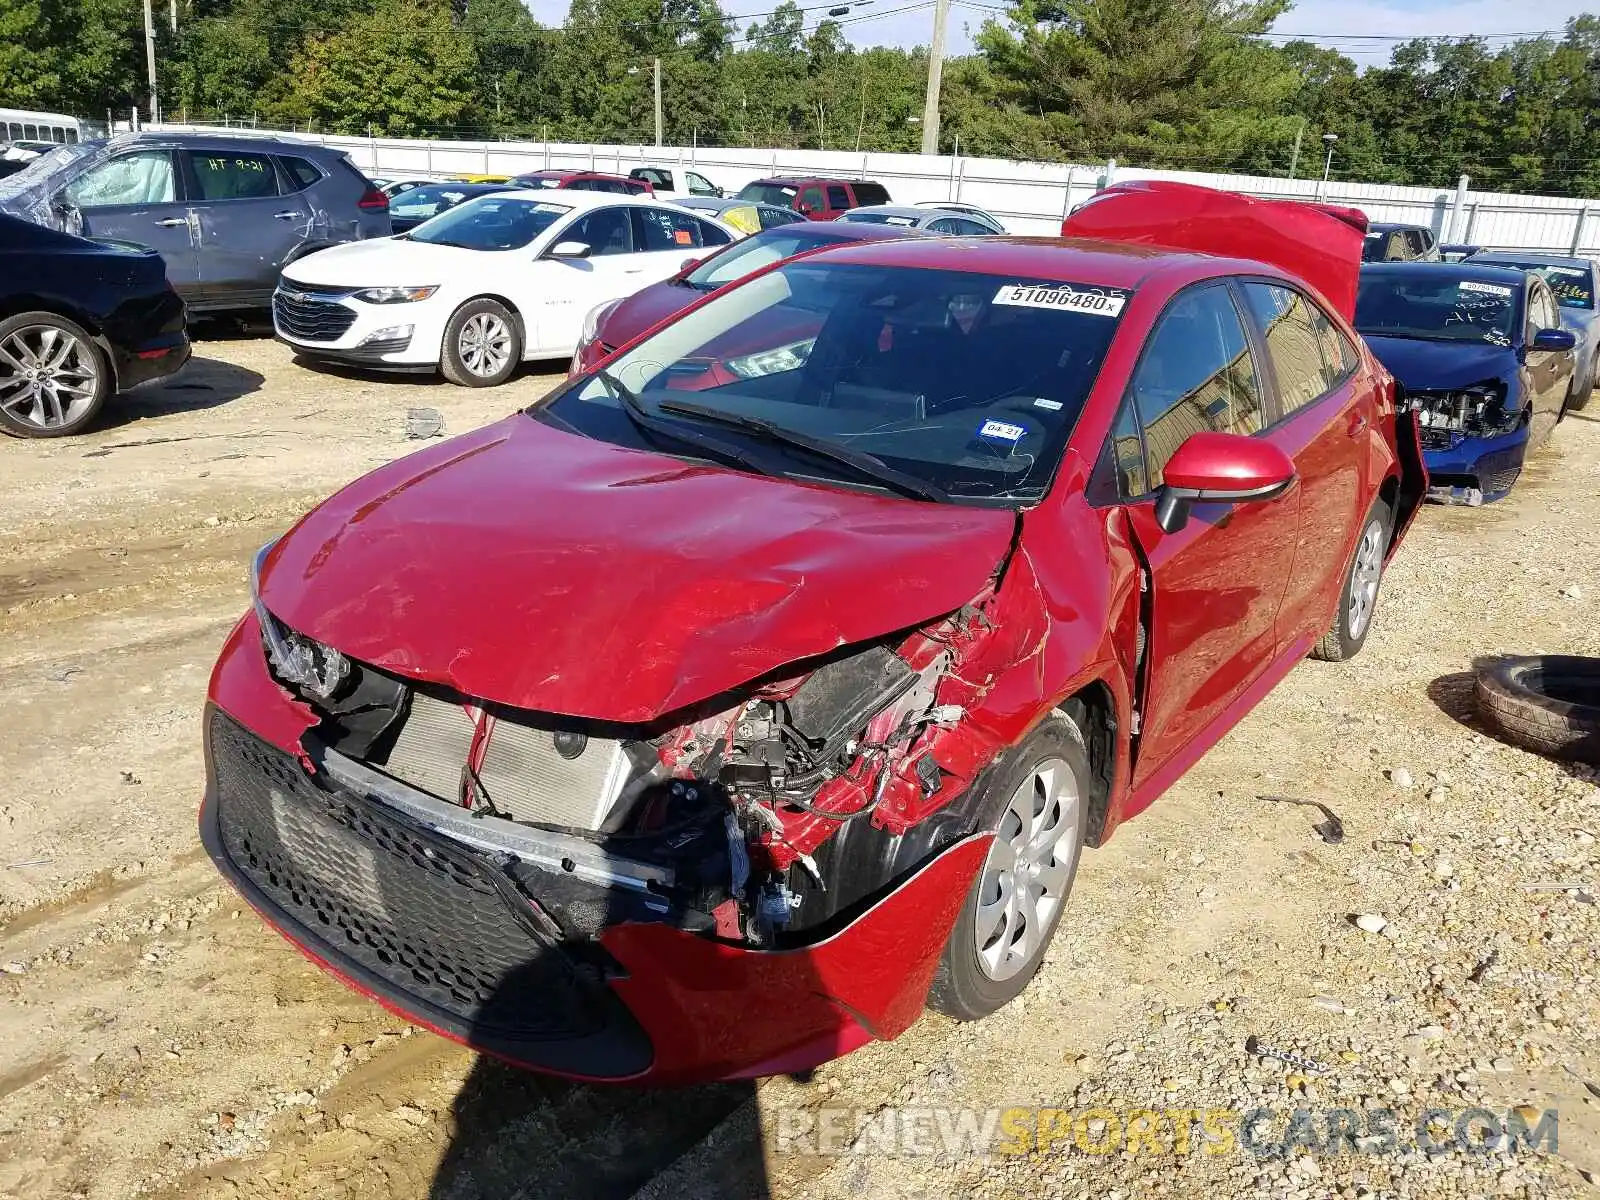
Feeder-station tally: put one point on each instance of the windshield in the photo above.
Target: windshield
(968, 382)
(1427, 304)
(426, 201)
(749, 256)
(769, 193)
(490, 223)
(880, 218)
(1573, 286)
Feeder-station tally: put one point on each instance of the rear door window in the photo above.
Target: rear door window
(838, 196)
(232, 176)
(871, 193)
(1293, 329)
(300, 173)
(1196, 374)
(663, 229)
(811, 199)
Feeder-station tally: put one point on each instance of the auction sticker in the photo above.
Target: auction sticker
(1003, 431)
(1488, 289)
(1029, 295)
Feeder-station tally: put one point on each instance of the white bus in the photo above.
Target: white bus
(18, 125)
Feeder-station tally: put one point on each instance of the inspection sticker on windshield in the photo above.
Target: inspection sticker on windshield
(1488, 289)
(1578, 271)
(1028, 295)
(1003, 431)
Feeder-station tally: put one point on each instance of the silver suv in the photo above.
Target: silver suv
(226, 213)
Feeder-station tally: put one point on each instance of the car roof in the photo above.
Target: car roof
(1554, 260)
(846, 231)
(792, 179)
(1063, 260)
(226, 142)
(1392, 226)
(1465, 269)
(903, 210)
(557, 173)
(580, 200)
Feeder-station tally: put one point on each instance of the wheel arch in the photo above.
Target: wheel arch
(23, 302)
(1093, 709)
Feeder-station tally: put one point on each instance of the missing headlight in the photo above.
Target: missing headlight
(301, 662)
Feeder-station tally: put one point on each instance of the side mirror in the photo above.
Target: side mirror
(571, 250)
(1220, 468)
(689, 264)
(1554, 339)
(68, 213)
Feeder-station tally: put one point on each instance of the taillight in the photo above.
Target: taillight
(374, 199)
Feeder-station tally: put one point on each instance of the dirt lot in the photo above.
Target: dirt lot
(157, 1040)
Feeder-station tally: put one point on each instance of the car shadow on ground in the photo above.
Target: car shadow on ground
(519, 1135)
(426, 377)
(202, 383)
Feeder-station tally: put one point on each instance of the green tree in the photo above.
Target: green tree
(401, 69)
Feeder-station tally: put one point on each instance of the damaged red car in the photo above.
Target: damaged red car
(766, 682)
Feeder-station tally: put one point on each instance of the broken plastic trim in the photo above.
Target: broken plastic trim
(558, 853)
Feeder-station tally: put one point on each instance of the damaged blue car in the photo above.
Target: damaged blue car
(1480, 355)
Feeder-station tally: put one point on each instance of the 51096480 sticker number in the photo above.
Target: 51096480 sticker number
(1066, 299)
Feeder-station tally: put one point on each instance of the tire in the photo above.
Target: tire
(482, 345)
(1549, 704)
(1352, 621)
(1049, 771)
(53, 378)
(1578, 401)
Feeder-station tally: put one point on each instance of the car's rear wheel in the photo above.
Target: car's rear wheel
(1036, 801)
(1578, 400)
(482, 345)
(1358, 599)
(53, 378)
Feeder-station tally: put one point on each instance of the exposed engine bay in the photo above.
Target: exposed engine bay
(1446, 418)
(735, 820)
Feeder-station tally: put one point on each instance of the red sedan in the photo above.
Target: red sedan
(767, 682)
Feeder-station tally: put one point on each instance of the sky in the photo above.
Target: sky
(1354, 27)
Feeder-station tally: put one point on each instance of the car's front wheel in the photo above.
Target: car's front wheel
(1358, 598)
(482, 344)
(1036, 801)
(53, 378)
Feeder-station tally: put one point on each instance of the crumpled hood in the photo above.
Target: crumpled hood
(1422, 365)
(544, 570)
(384, 262)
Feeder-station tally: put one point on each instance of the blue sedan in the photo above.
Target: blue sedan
(1480, 354)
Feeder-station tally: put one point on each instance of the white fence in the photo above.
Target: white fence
(1029, 197)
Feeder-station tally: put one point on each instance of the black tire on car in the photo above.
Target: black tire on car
(1577, 400)
(1036, 801)
(482, 344)
(53, 378)
(1363, 583)
(1548, 703)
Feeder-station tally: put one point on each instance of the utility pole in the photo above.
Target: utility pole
(658, 103)
(930, 106)
(1294, 159)
(150, 57)
(172, 6)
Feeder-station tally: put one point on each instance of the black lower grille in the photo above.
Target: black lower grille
(427, 918)
(311, 320)
(1500, 481)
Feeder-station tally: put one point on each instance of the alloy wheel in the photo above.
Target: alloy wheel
(1029, 869)
(485, 344)
(1365, 575)
(48, 377)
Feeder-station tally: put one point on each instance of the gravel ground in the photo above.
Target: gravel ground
(157, 1040)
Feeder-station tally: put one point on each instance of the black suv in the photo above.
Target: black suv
(226, 213)
(1400, 243)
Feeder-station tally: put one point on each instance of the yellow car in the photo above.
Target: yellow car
(477, 179)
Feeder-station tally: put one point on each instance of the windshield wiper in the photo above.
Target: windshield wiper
(650, 423)
(867, 465)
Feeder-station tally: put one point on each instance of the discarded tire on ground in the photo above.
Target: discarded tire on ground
(1549, 704)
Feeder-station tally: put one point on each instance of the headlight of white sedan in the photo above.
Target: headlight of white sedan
(395, 295)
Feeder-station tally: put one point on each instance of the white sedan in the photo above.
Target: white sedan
(487, 284)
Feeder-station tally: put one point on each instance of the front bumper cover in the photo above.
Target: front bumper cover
(441, 933)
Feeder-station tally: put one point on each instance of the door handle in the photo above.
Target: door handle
(1357, 425)
(286, 216)
(173, 222)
